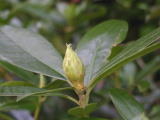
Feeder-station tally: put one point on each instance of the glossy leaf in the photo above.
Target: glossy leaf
(142, 46)
(82, 112)
(25, 75)
(126, 105)
(29, 51)
(95, 46)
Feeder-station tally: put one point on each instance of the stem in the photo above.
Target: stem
(42, 81)
(37, 111)
(40, 99)
(83, 99)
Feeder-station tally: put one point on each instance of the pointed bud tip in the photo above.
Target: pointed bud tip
(73, 67)
(69, 45)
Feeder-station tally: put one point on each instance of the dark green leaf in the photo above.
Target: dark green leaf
(63, 96)
(143, 85)
(29, 51)
(55, 84)
(150, 68)
(25, 91)
(25, 75)
(115, 51)
(18, 90)
(43, 92)
(31, 9)
(95, 46)
(4, 116)
(82, 112)
(126, 105)
(18, 105)
(91, 118)
(155, 112)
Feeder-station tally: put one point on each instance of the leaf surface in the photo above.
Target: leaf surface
(96, 45)
(30, 51)
(142, 46)
(126, 105)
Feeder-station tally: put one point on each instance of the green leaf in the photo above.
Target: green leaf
(7, 104)
(83, 112)
(18, 105)
(31, 9)
(25, 75)
(25, 91)
(30, 51)
(128, 74)
(16, 83)
(143, 86)
(91, 118)
(43, 92)
(4, 116)
(144, 45)
(115, 51)
(150, 68)
(95, 46)
(155, 112)
(65, 96)
(126, 105)
(18, 90)
(55, 84)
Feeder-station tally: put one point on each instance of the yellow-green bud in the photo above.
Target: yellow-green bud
(73, 68)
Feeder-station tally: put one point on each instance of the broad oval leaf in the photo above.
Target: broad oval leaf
(126, 105)
(142, 46)
(30, 51)
(95, 46)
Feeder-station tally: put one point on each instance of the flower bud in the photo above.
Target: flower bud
(73, 68)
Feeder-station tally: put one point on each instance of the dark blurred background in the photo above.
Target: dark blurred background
(66, 21)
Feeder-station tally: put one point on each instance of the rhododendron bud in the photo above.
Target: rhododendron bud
(73, 68)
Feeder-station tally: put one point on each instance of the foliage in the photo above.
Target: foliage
(33, 35)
